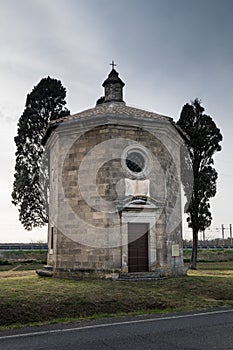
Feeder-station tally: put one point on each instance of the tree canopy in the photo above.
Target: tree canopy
(30, 189)
(203, 143)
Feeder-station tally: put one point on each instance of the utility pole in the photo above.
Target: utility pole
(223, 234)
(231, 234)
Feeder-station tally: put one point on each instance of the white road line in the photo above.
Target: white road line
(102, 325)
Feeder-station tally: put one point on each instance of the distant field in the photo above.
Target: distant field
(20, 259)
(23, 254)
(22, 267)
(210, 255)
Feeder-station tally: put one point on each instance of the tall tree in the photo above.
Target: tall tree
(30, 189)
(203, 143)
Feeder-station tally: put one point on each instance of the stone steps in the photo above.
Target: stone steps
(140, 276)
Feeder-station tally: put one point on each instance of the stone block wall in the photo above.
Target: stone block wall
(87, 189)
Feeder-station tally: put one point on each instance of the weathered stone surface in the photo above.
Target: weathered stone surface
(90, 206)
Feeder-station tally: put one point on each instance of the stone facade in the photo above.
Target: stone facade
(97, 189)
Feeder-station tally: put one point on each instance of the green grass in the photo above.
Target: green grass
(210, 255)
(226, 265)
(22, 266)
(27, 253)
(34, 300)
(22, 260)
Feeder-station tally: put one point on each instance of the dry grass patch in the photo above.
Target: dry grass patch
(16, 273)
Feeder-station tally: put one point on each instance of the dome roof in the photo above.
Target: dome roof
(111, 109)
(113, 78)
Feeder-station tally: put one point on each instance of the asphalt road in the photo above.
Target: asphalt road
(204, 331)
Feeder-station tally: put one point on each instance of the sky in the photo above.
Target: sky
(168, 52)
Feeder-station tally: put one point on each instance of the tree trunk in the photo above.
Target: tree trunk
(193, 261)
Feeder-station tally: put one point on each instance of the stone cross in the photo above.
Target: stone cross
(112, 64)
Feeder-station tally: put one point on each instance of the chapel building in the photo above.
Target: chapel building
(115, 191)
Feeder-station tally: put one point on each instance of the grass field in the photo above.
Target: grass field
(210, 255)
(26, 298)
(22, 260)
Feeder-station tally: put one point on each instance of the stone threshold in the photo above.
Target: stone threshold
(140, 276)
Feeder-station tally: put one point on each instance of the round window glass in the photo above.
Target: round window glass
(135, 161)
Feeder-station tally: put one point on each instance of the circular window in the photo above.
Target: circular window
(135, 161)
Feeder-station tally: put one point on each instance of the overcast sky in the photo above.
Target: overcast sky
(168, 52)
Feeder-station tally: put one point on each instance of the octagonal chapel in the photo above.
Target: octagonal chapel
(115, 191)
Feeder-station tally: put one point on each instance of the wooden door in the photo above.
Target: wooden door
(138, 247)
